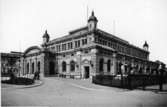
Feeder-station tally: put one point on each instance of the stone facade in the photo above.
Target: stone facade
(86, 52)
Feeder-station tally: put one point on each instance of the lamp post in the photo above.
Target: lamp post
(160, 69)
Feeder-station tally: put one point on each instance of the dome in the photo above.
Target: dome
(92, 17)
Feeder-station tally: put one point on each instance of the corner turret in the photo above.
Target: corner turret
(92, 22)
(45, 37)
(146, 46)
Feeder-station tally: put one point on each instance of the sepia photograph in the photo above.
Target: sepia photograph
(83, 53)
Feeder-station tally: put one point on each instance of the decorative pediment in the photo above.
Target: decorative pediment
(86, 61)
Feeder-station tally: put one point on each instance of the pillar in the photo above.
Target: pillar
(30, 66)
(44, 64)
(114, 62)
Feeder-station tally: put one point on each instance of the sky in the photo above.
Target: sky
(23, 22)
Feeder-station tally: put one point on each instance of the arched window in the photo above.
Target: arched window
(38, 66)
(27, 68)
(64, 66)
(32, 67)
(101, 65)
(108, 65)
(72, 66)
(118, 67)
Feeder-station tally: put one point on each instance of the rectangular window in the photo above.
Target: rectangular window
(59, 48)
(84, 41)
(65, 47)
(71, 45)
(62, 47)
(76, 44)
(109, 44)
(68, 45)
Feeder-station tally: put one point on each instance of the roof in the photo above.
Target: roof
(84, 31)
(79, 29)
(32, 48)
(72, 34)
(112, 36)
(10, 54)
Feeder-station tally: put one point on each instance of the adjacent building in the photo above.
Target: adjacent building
(9, 61)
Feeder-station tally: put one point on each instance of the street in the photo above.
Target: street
(75, 93)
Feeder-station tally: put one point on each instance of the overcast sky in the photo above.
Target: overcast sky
(23, 22)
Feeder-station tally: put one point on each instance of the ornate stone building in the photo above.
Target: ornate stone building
(86, 52)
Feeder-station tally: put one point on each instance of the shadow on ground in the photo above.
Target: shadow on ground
(155, 89)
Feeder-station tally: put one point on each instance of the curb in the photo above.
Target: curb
(29, 86)
(34, 85)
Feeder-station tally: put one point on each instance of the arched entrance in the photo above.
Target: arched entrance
(38, 66)
(119, 64)
(27, 68)
(86, 68)
(51, 68)
(32, 68)
(64, 66)
(101, 65)
(72, 66)
(87, 72)
(108, 65)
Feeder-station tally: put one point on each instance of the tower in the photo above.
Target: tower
(46, 37)
(145, 46)
(92, 22)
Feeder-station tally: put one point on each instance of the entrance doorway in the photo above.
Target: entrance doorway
(86, 72)
(51, 68)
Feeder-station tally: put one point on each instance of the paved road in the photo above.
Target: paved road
(75, 93)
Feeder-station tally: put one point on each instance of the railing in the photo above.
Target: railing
(130, 81)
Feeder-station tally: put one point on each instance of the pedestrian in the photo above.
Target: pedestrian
(35, 75)
(38, 76)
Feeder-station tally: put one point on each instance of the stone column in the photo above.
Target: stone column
(105, 67)
(111, 65)
(145, 68)
(67, 67)
(22, 66)
(43, 65)
(132, 65)
(35, 65)
(114, 61)
(95, 62)
(78, 68)
(25, 67)
(150, 70)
